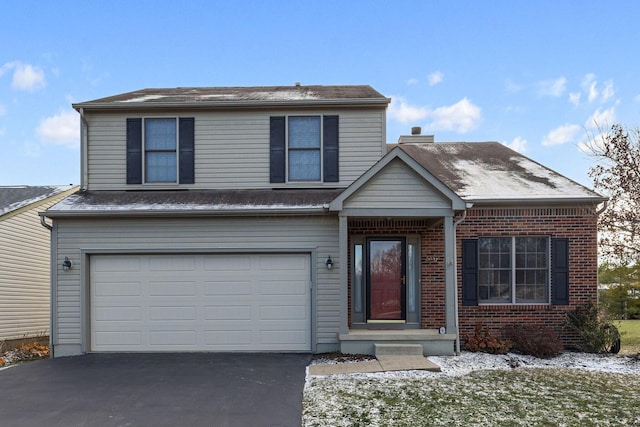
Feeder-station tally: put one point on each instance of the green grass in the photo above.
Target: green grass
(523, 397)
(630, 330)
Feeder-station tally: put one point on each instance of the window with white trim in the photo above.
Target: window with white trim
(304, 144)
(513, 270)
(160, 150)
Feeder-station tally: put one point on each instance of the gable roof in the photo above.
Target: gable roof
(456, 202)
(13, 198)
(193, 202)
(211, 97)
(490, 172)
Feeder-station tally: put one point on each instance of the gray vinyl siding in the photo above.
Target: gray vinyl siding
(232, 148)
(24, 273)
(318, 233)
(397, 186)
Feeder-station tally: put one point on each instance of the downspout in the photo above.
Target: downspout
(455, 275)
(602, 209)
(44, 223)
(84, 131)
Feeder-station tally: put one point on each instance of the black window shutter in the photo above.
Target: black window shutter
(186, 147)
(277, 150)
(330, 149)
(134, 151)
(469, 272)
(560, 271)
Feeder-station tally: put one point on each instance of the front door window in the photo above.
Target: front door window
(386, 279)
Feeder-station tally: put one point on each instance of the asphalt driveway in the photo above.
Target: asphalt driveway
(200, 389)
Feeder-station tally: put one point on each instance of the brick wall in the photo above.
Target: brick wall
(577, 223)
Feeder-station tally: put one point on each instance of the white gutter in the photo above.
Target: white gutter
(84, 133)
(455, 276)
(603, 208)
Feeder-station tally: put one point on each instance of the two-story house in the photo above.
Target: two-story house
(278, 219)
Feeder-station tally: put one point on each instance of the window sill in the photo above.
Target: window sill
(509, 306)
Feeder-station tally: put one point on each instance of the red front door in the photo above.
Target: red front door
(386, 279)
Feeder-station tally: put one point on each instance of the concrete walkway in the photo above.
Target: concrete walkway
(381, 364)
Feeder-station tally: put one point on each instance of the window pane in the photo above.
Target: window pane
(411, 276)
(304, 165)
(160, 167)
(532, 271)
(494, 269)
(160, 134)
(304, 132)
(357, 285)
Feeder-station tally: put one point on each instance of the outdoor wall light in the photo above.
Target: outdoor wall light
(67, 264)
(329, 263)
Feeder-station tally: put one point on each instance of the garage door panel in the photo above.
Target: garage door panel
(227, 287)
(118, 312)
(122, 339)
(227, 312)
(172, 313)
(236, 302)
(227, 338)
(118, 289)
(172, 288)
(106, 263)
(227, 263)
(172, 263)
(171, 338)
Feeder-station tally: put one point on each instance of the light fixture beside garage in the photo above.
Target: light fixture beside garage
(329, 263)
(67, 264)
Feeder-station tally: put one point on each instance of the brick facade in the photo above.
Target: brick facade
(578, 224)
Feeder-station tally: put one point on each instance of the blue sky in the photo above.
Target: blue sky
(536, 75)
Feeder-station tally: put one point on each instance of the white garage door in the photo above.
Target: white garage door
(238, 302)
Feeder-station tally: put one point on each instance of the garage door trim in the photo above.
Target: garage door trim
(85, 290)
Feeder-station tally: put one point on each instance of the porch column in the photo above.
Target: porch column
(344, 292)
(450, 275)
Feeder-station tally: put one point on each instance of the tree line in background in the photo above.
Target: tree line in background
(616, 175)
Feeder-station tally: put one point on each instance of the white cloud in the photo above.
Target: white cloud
(589, 85)
(412, 81)
(561, 135)
(460, 117)
(61, 129)
(403, 112)
(602, 119)
(25, 76)
(435, 78)
(608, 92)
(552, 87)
(574, 98)
(512, 87)
(518, 144)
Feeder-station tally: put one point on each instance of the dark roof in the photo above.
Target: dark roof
(15, 197)
(239, 96)
(490, 171)
(194, 201)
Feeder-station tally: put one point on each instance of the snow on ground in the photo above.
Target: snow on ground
(467, 362)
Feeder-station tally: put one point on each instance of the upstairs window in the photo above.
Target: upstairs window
(160, 150)
(304, 149)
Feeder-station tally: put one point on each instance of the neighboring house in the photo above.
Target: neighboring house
(25, 257)
(278, 219)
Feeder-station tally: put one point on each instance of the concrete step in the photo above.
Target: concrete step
(398, 349)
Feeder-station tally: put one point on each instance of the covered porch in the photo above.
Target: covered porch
(397, 240)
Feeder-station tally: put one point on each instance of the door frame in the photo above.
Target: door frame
(358, 298)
